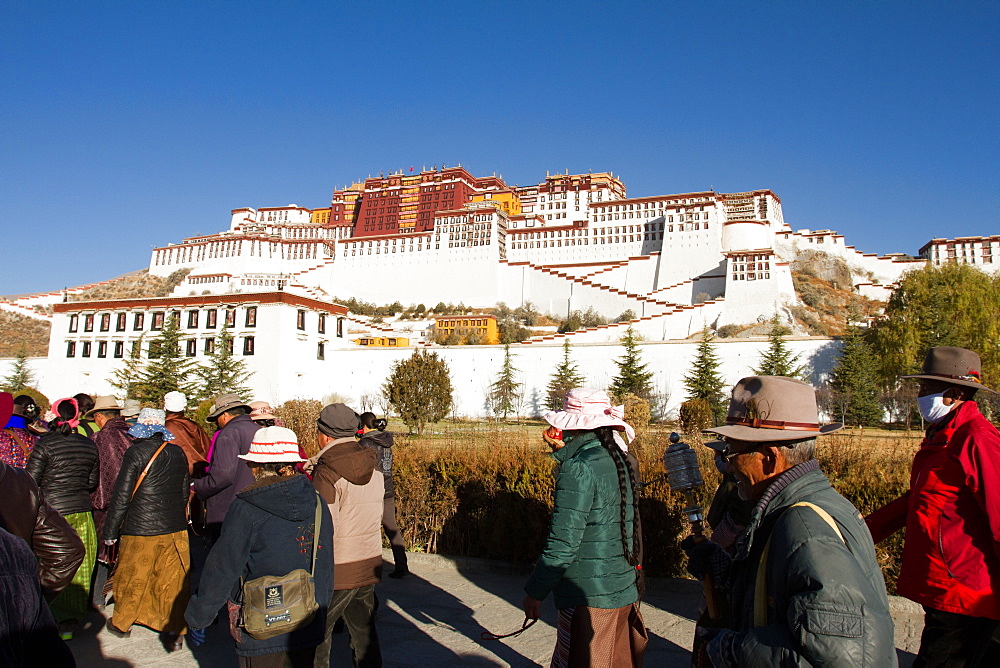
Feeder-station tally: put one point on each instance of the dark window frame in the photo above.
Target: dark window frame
(251, 316)
(121, 321)
(74, 323)
(248, 345)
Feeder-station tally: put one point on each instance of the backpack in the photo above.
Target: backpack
(278, 604)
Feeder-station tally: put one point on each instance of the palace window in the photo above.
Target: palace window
(157, 320)
(210, 318)
(209, 345)
(105, 322)
(321, 327)
(88, 322)
(340, 328)
(251, 317)
(102, 348)
(86, 349)
(120, 322)
(119, 349)
(192, 347)
(74, 323)
(300, 320)
(248, 345)
(193, 319)
(321, 351)
(71, 349)
(137, 321)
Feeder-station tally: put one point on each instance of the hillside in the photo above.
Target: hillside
(825, 286)
(136, 285)
(17, 330)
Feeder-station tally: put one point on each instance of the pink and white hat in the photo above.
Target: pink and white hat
(585, 408)
(273, 445)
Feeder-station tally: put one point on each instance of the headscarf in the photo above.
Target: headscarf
(149, 422)
(58, 420)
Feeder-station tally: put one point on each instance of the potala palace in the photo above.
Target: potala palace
(679, 262)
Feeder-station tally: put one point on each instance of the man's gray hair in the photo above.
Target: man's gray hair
(798, 452)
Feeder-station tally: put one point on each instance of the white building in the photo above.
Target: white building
(982, 252)
(282, 336)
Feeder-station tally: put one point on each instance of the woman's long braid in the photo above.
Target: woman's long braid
(606, 436)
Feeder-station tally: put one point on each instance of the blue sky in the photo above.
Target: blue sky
(126, 125)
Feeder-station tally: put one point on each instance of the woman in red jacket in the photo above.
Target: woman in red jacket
(951, 557)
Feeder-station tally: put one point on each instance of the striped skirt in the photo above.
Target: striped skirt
(72, 603)
(599, 637)
(151, 583)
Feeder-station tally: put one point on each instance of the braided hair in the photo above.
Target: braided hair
(606, 436)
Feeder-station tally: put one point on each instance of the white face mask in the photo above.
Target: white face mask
(932, 407)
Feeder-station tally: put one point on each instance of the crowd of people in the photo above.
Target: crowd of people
(102, 501)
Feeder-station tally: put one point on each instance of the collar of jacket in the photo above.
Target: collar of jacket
(939, 434)
(311, 464)
(772, 499)
(574, 444)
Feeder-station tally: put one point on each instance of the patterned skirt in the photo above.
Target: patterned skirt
(151, 582)
(599, 637)
(72, 603)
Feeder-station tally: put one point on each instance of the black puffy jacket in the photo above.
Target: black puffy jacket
(158, 506)
(66, 468)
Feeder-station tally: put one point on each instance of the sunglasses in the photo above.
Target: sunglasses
(729, 454)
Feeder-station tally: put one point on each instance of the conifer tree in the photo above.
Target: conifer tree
(167, 369)
(224, 373)
(632, 378)
(854, 381)
(505, 392)
(704, 381)
(21, 375)
(128, 378)
(419, 389)
(778, 360)
(566, 377)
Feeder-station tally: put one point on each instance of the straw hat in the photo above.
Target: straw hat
(585, 409)
(132, 408)
(273, 445)
(772, 408)
(103, 404)
(223, 403)
(955, 366)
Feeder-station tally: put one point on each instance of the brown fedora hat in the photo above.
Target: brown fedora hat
(773, 408)
(106, 403)
(955, 366)
(223, 403)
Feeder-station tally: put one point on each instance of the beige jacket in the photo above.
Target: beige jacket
(344, 474)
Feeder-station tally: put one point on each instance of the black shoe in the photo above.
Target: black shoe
(115, 631)
(172, 642)
(400, 572)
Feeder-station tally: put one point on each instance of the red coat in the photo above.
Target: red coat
(951, 557)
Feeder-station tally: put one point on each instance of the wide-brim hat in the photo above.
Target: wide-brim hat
(772, 408)
(223, 403)
(131, 408)
(261, 410)
(106, 403)
(273, 445)
(586, 409)
(955, 366)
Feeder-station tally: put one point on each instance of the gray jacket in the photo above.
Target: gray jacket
(826, 595)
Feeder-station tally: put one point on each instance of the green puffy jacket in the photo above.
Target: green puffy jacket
(826, 602)
(583, 562)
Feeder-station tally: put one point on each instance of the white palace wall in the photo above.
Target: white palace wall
(292, 371)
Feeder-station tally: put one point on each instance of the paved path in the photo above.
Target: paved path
(436, 615)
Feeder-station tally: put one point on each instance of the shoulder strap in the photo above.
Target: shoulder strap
(20, 442)
(760, 586)
(142, 476)
(317, 523)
